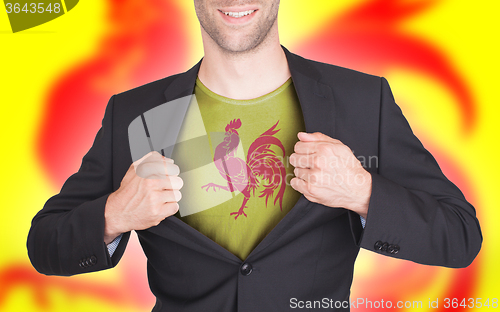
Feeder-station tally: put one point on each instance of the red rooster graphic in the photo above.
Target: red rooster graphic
(262, 162)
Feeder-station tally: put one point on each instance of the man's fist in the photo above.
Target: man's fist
(148, 193)
(327, 172)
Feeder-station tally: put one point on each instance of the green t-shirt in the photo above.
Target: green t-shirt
(241, 193)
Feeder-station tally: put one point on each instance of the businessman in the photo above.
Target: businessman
(269, 237)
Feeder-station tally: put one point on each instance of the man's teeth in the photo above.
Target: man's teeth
(239, 14)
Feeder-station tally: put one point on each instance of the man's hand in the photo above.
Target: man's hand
(327, 172)
(148, 193)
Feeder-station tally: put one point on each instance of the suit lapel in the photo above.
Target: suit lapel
(316, 98)
(317, 104)
(183, 85)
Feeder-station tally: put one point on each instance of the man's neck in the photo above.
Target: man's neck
(244, 76)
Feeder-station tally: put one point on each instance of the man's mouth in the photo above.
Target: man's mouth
(239, 14)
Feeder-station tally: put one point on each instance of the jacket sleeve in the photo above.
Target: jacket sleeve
(67, 236)
(415, 212)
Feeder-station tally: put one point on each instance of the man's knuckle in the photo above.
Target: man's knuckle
(171, 208)
(297, 147)
(178, 182)
(174, 170)
(177, 195)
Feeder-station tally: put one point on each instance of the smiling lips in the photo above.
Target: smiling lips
(239, 14)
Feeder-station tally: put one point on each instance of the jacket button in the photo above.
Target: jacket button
(246, 269)
(81, 264)
(378, 245)
(93, 260)
(384, 247)
(393, 249)
(390, 249)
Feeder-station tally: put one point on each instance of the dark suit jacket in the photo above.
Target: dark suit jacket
(414, 209)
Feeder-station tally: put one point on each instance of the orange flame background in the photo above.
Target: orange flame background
(58, 77)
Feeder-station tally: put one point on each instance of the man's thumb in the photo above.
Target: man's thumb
(316, 136)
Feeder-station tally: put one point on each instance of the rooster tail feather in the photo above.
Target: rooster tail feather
(281, 192)
(268, 192)
(271, 130)
(261, 146)
(275, 173)
(264, 162)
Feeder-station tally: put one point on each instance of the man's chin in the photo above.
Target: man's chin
(239, 47)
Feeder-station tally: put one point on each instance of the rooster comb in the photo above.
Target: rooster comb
(233, 124)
